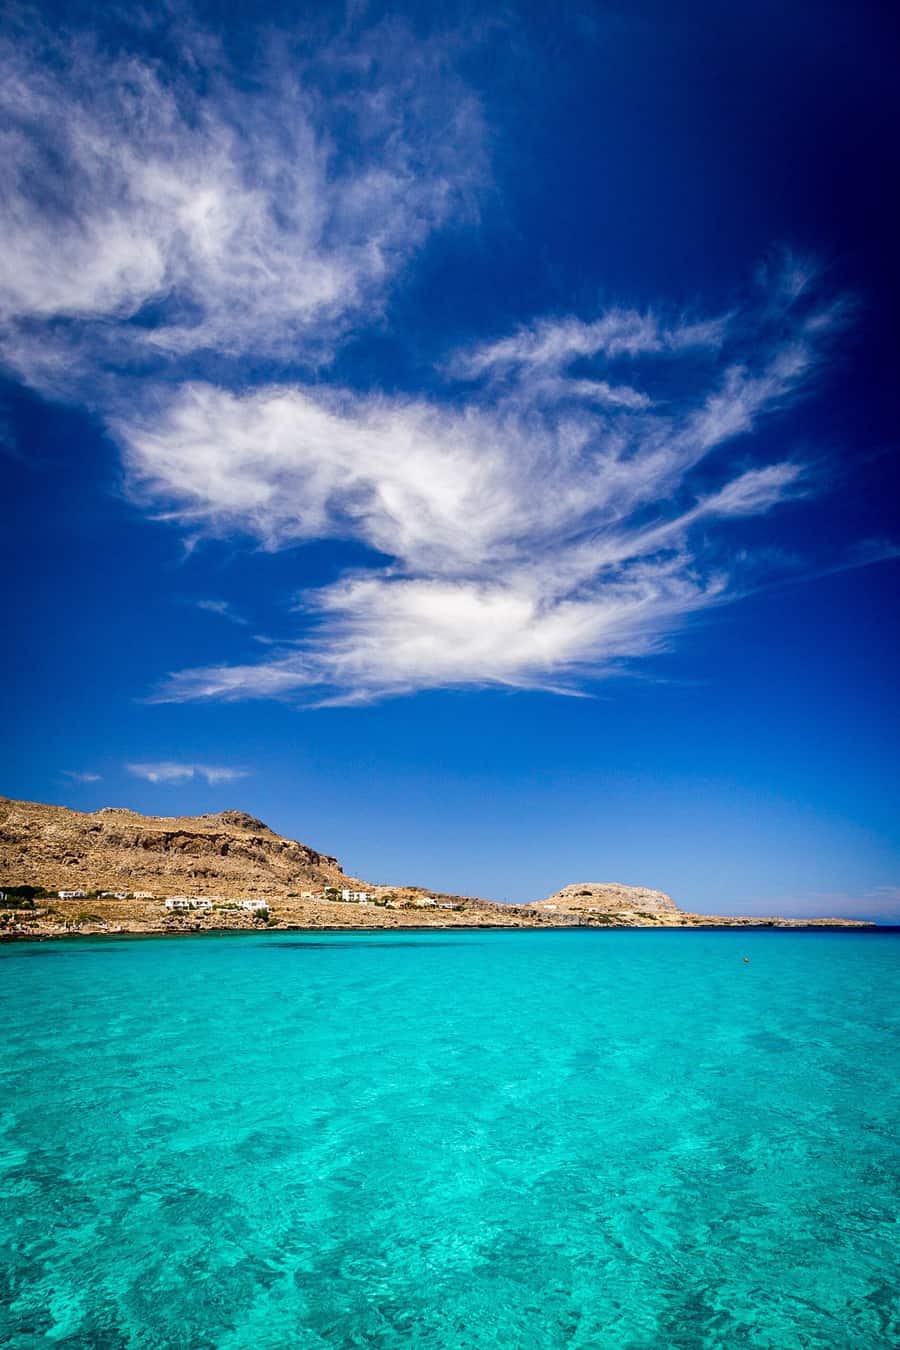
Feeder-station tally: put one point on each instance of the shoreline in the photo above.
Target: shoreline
(115, 872)
(782, 926)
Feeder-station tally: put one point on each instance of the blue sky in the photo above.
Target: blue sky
(465, 439)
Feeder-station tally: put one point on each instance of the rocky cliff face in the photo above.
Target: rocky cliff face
(116, 849)
(610, 897)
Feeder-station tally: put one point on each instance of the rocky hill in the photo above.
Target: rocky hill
(611, 897)
(116, 849)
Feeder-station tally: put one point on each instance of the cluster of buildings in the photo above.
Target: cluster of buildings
(369, 898)
(184, 902)
(172, 903)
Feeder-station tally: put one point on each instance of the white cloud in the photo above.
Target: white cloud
(224, 609)
(550, 514)
(438, 487)
(550, 344)
(753, 491)
(167, 771)
(383, 636)
(82, 777)
(233, 219)
(533, 539)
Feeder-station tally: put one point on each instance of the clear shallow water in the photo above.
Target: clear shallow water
(597, 1139)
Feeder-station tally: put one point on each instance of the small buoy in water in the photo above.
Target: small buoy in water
(746, 960)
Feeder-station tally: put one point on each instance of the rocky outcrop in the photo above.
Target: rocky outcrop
(610, 904)
(114, 848)
(613, 898)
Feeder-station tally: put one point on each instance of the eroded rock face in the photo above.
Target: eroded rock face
(609, 897)
(212, 854)
(240, 820)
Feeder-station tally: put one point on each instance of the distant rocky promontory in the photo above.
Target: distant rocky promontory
(611, 897)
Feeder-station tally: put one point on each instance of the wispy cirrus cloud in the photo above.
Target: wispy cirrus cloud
(527, 539)
(551, 344)
(169, 771)
(149, 214)
(559, 503)
(82, 776)
(224, 609)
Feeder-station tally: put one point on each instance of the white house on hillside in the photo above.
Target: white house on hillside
(71, 895)
(254, 905)
(360, 897)
(182, 902)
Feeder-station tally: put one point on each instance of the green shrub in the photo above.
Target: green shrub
(16, 894)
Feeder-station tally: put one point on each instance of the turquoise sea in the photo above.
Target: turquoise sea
(582, 1139)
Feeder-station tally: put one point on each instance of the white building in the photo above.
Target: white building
(114, 895)
(359, 897)
(255, 905)
(144, 895)
(182, 902)
(72, 895)
(426, 900)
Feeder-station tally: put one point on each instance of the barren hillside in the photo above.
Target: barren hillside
(117, 849)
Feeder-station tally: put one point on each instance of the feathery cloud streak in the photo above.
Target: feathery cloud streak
(535, 538)
(223, 609)
(169, 772)
(548, 514)
(147, 214)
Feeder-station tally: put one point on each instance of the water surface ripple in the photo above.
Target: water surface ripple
(518, 1140)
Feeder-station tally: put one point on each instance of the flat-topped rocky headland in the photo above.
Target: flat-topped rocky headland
(230, 871)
